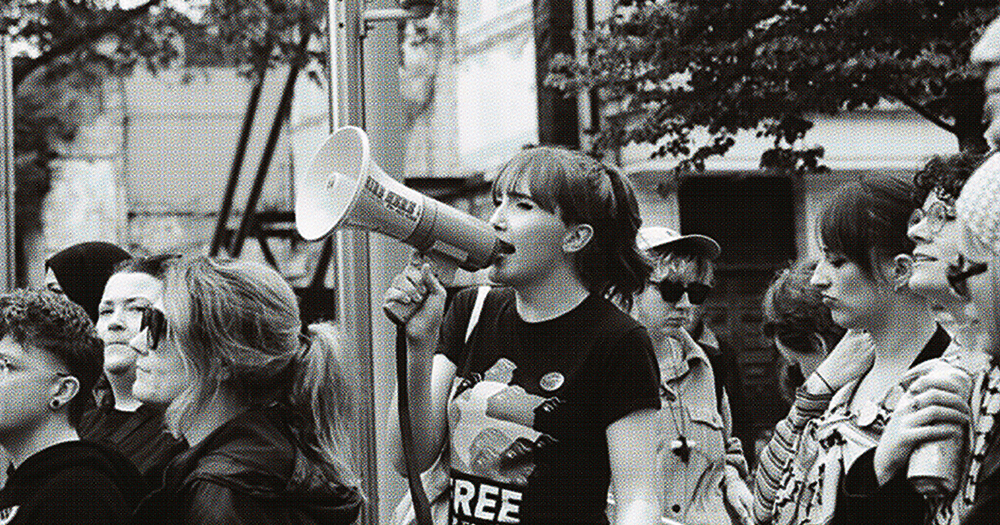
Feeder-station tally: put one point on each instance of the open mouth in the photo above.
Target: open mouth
(920, 257)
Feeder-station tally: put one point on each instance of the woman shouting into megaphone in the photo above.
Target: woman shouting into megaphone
(553, 394)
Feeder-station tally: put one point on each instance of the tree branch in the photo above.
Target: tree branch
(912, 104)
(114, 22)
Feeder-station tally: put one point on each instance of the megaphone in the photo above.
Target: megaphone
(343, 188)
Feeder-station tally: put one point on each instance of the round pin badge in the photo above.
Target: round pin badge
(551, 381)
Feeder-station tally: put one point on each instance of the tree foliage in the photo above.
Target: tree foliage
(674, 68)
(69, 47)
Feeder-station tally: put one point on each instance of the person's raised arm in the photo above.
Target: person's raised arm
(849, 360)
(418, 298)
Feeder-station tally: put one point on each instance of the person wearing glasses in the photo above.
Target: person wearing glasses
(938, 405)
(132, 427)
(50, 358)
(268, 410)
(702, 466)
(828, 475)
(938, 236)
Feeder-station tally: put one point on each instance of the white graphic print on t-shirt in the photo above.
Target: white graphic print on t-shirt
(492, 445)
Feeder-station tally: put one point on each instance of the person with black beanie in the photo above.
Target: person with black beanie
(81, 271)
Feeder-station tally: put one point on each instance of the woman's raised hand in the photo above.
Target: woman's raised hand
(416, 298)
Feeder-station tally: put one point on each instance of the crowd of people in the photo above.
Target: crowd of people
(580, 387)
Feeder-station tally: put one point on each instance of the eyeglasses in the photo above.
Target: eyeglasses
(937, 214)
(959, 273)
(672, 291)
(155, 325)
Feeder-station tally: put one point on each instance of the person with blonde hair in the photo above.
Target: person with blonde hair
(267, 410)
(702, 466)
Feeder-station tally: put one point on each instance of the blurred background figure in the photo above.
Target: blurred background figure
(702, 464)
(799, 324)
(50, 358)
(81, 271)
(133, 428)
(267, 409)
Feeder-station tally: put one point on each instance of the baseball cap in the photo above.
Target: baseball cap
(660, 237)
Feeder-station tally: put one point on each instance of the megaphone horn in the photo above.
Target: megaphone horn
(343, 188)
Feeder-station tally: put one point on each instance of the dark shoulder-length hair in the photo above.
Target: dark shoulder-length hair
(866, 221)
(586, 191)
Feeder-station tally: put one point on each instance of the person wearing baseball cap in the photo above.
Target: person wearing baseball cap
(701, 465)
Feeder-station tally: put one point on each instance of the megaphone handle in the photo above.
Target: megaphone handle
(444, 269)
(398, 312)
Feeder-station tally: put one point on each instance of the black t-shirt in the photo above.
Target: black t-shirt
(140, 436)
(579, 373)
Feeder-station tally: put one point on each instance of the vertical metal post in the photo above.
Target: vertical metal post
(384, 124)
(7, 239)
(354, 288)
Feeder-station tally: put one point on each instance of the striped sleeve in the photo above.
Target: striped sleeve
(780, 450)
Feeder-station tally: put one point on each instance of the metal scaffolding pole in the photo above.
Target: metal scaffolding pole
(7, 240)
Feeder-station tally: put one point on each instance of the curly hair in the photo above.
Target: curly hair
(945, 175)
(52, 323)
(794, 313)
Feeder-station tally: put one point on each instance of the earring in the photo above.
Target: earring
(55, 404)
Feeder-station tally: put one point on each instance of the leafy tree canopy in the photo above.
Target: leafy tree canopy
(724, 66)
(68, 47)
(253, 34)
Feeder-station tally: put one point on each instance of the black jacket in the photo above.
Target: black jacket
(72, 482)
(250, 470)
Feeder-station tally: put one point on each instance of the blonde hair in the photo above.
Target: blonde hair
(676, 263)
(236, 325)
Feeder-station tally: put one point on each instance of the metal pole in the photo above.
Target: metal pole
(7, 239)
(284, 106)
(354, 288)
(234, 171)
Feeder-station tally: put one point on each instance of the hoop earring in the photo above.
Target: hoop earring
(55, 404)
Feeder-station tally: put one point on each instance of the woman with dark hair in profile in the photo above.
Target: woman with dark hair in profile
(120, 419)
(268, 410)
(799, 325)
(81, 271)
(935, 229)
(818, 467)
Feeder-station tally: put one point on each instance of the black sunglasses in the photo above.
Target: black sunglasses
(671, 291)
(155, 325)
(958, 274)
